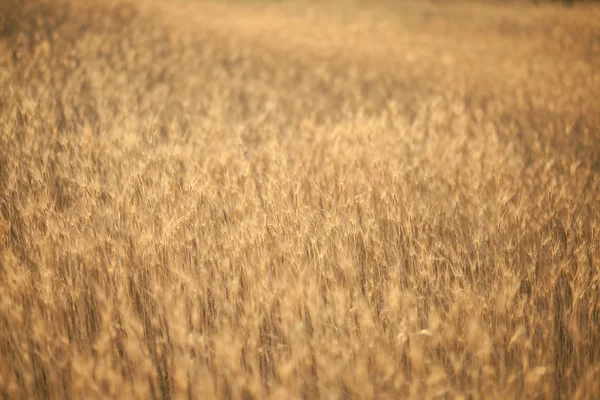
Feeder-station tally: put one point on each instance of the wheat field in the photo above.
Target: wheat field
(299, 200)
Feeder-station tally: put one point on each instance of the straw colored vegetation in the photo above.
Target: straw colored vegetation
(299, 200)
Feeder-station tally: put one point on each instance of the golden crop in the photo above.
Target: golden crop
(299, 200)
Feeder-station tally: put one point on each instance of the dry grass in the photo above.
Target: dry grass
(252, 200)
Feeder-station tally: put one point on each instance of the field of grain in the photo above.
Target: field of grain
(260, 199)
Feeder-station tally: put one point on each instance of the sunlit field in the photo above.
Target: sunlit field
(299, 200)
